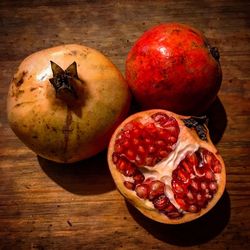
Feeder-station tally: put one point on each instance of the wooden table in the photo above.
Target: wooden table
(48, 206)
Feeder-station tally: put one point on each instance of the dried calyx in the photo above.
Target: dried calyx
(64, 80)
(199, 124)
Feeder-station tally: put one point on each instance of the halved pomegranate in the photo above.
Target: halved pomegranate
(166, 165)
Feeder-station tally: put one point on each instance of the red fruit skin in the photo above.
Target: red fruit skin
(171, 67)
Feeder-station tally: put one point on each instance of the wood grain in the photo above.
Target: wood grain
(48, 206)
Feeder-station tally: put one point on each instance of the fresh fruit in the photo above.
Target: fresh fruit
(166, 165)
(172, 66)
(65, 102)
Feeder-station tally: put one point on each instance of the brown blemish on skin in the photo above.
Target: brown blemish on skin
(66, 131)
(32, 89)
(19, 79)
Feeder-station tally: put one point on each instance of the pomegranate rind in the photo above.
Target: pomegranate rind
(60, 131)
(185, 134)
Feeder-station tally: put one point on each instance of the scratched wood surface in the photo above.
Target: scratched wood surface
(47, 206)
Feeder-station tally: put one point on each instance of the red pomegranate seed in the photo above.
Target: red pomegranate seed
(170, 208)
(163, 153)
(160, 118)
(192, 159)
(156, 188)
(178, 188)
(130, 154)
(182, 176)
(213, 186)
(151, 149)
(142, 191)
(138, 177)
(174, 215)
(181, 202)
(217, 168)
(187, 168)
(193, 209)
(195, 185)
(204, 185)
(209, 175)
(161, 202)
(129, 185)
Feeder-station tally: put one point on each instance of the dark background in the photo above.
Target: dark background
(47, 206)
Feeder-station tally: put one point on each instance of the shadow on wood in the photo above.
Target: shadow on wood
(217, 122)
(192, 233)
(87, 177)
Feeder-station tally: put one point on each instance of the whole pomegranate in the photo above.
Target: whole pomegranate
(166, 165)
(172, 66)
(65, 102)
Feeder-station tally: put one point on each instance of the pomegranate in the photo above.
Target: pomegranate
(172, 66)
(166, 165)
(65, 102)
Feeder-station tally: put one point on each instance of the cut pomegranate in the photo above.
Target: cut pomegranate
(171, 172)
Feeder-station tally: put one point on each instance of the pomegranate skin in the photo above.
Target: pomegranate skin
(188, 141)
(70, 130)
(171, 67)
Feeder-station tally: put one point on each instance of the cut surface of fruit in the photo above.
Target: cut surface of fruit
(164, 168)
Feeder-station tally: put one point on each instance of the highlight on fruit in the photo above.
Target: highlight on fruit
(65, 102)
(166, 165)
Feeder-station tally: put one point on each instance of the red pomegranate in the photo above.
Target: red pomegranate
(166, 165)
(172, 66)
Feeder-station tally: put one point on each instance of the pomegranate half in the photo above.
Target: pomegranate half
(166, 165)
(172, 66)
(65, 102)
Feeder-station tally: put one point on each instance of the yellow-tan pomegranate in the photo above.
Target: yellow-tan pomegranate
(64, 102)
(166, 165)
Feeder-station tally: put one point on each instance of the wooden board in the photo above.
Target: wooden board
(47, 206)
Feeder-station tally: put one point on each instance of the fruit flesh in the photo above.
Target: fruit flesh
(61, 131)
(160, 201)
(170, 67)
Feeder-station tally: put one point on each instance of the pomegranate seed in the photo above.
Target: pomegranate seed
(170, 208)
(150, 161)
(161, 202)
(178, 188)
(213, 186)
(141, 150)
(118, 148)
(129, 185)
(142, 191)
(208, 159)
(156, 189)
(135, 141)
(193, 209)
(190, 196)
(126, 144)
(209, 175)
(187, 168)
(192, 159)
(195, 185)
(163, 153)
(160, 118)
(130, 154)
(181, 202)
(182, 176)
(115, 158)
(174, 215)
(151, 149)
(217, 168)
(138, 177)
(160, 143)
(203, 185)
